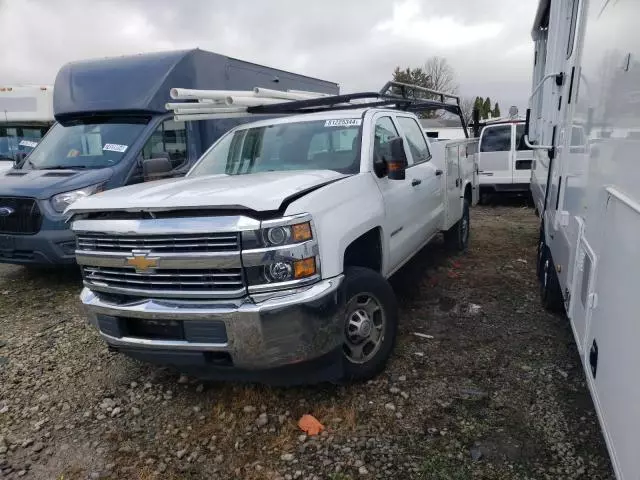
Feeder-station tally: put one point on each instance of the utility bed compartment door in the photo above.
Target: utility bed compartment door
(454, 181)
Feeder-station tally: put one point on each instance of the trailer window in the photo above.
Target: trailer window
(572, 28)
(417, 144)
(496, 139)
(169, 140)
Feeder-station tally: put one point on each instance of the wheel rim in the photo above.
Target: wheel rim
(364, 328)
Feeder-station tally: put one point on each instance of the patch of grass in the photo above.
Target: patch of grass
(443, 468)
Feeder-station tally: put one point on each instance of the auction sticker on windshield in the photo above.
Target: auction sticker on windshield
(28, 143)
(343, 122)
(114, 147)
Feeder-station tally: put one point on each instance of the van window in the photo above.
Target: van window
(169, 140)
(415, 139)
(496, 139)
(520, 145)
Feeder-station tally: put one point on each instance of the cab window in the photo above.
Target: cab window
(170, 141)
(415, 140)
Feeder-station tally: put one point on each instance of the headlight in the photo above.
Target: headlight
(284, 253)
(61, 201)
(283, 235)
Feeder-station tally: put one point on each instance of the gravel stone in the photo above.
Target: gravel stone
(287, 457)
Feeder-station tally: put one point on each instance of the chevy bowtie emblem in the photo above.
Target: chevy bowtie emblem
(142, 262)
(6, 211)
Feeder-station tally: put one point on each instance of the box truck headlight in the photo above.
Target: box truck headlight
(61, 201)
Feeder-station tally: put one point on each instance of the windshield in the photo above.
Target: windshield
(17, 141)
(311, 145)
(87, 143)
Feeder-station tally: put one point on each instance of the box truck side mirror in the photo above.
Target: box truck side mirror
(156, 168)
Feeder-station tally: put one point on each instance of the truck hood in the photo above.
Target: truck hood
(43, 184)
(258, 191)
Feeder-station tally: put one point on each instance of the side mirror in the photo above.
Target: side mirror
(156, 168)
(526, 123)
(397, 165)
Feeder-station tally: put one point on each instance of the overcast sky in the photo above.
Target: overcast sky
(356, 43)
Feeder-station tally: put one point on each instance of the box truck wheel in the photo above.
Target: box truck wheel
(457, 237)
(550, 292)
(370, 325)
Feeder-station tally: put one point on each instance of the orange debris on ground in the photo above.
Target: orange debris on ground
(310, 425)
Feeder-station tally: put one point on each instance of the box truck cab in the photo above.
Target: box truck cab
(504, 161)
(112, 128)
(26, 113)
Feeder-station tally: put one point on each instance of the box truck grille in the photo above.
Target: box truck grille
(209, 242)
(227, 282)
(20, 216)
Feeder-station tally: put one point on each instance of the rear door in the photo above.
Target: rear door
(523, 157)
(428, 205)
(495, 157)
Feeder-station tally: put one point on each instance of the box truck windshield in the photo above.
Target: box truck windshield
(17, 141)
(88, 143)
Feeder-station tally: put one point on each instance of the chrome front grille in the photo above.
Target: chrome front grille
(204, 283)
(208, 242)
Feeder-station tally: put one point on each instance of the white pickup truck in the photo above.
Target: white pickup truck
(270, 259)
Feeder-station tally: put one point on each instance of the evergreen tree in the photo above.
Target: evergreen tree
(486, 108)
(496, 111)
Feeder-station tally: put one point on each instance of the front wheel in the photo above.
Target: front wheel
(457, 237)
(371, 323)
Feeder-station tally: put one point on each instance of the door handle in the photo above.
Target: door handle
(438, 173)
(415, 182)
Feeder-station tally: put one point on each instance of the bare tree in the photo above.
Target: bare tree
(466, 105)
(441, 75)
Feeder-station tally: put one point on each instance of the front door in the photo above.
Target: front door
(398, 197)
(495, 157)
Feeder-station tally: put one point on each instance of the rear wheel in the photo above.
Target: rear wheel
(457, 237)
(371, 323)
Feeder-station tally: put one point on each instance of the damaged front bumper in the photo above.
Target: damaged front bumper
(252, 334)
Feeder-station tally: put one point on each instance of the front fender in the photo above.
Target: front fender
(342, 211)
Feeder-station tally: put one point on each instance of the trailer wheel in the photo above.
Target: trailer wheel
(540, 255)
(457, 237)
(371, 323)
(550, 292)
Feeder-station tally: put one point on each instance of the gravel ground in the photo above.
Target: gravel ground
(493, 388)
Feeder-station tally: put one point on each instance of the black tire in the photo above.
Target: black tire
(540, 254)
(457, 237)
(550, 292)
(358, 283)
(484, 199)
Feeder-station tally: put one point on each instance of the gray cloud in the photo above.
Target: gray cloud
(356, 43)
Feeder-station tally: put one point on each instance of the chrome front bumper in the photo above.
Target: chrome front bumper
(262, 332)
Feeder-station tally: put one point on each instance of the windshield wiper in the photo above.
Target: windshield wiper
(4, 157)
(62, 167)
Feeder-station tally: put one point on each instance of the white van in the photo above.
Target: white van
(504, 161)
